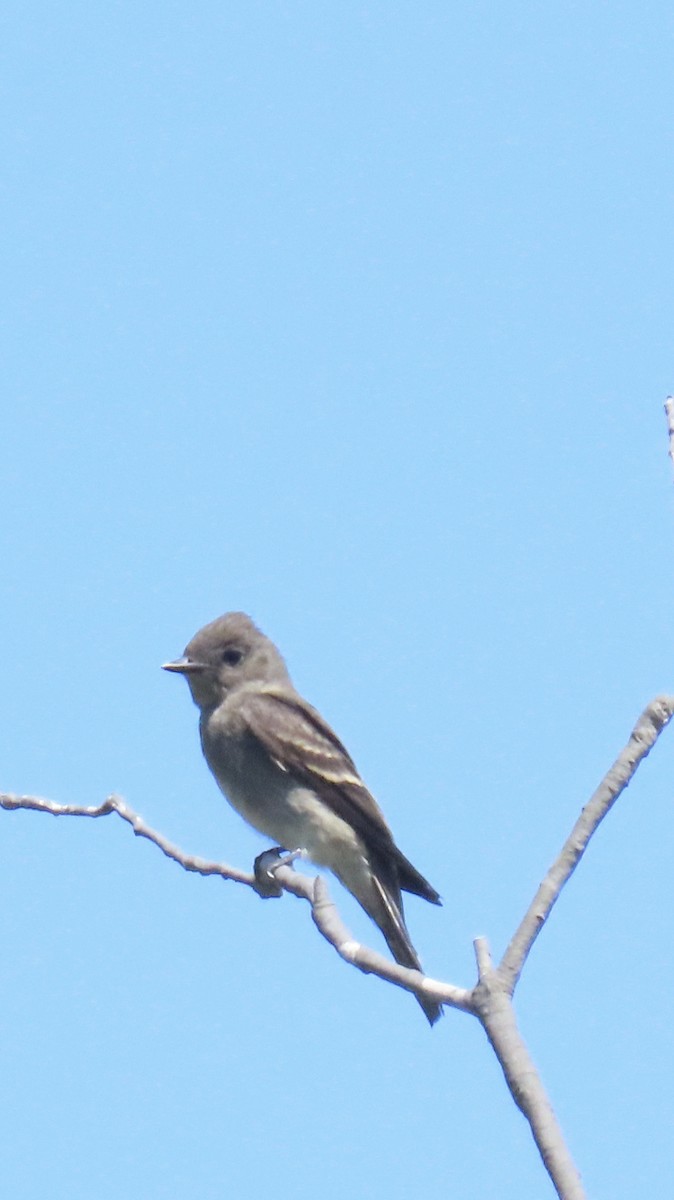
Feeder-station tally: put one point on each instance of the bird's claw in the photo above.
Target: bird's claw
(267, 864)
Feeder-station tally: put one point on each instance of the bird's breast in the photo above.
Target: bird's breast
(277, 804)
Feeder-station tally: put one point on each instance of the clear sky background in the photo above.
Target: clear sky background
(357, 317)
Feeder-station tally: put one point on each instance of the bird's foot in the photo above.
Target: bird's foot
(267, 864)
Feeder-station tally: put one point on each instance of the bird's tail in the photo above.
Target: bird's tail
(390, 918)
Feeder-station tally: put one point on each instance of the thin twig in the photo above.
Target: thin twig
(648, 728)
(329, 923)
(115, 804)
(313, 890)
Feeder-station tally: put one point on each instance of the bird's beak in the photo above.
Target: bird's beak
(184, 666)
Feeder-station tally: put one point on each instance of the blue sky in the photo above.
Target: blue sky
(356, 317)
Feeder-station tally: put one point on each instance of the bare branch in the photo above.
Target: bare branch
(494, 1008)
(314, 890)
(491, 998)
(330, 924)
(648, 728)
(115, 804)
(492, 1005)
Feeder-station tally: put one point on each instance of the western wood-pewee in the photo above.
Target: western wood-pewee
(281, 766)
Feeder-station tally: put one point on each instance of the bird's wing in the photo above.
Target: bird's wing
(301, 742)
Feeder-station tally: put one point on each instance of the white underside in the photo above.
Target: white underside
(295, 817)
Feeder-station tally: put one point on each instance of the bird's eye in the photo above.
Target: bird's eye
(231, 656)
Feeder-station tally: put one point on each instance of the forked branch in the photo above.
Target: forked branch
(490, 1000)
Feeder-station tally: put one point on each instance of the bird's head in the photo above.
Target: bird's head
(228, 653)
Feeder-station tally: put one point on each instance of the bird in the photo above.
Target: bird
(282, 767)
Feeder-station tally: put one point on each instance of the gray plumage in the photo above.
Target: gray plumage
(286, 772)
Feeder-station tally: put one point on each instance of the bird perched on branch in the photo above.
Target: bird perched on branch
(284, 770)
